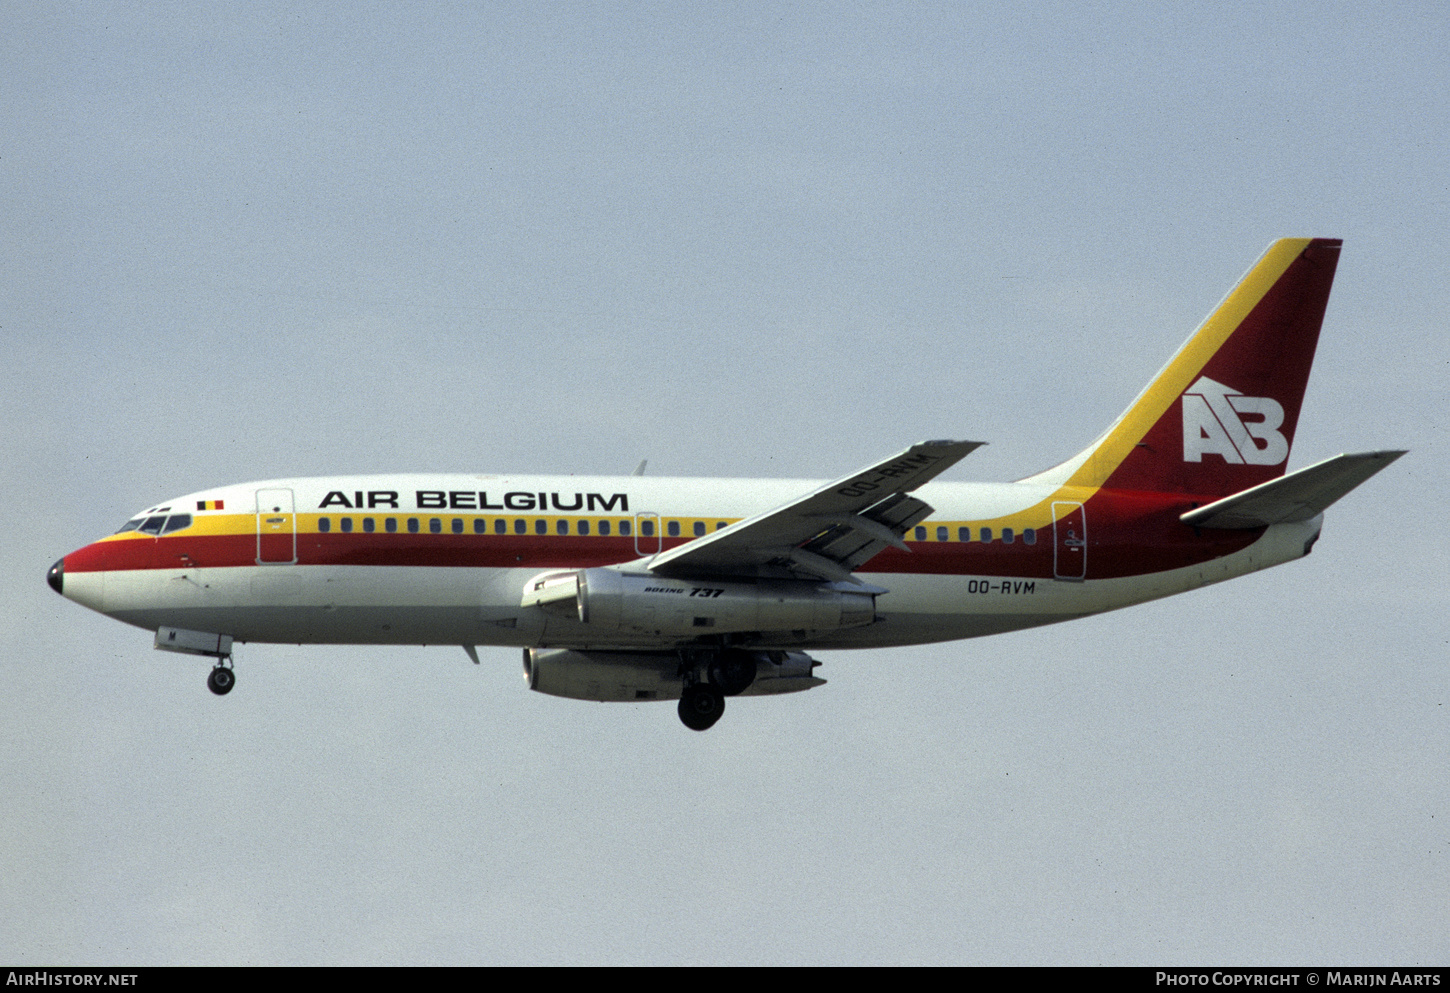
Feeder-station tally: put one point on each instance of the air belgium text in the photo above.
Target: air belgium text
(592, 503)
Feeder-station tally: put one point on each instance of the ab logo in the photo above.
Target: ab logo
(1212, 426)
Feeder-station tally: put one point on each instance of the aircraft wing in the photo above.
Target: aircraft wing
(1295, 497)
(826, 533)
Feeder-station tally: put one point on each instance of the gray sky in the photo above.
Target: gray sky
(249, 241)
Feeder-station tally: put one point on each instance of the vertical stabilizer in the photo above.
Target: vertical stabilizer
(1220, 416)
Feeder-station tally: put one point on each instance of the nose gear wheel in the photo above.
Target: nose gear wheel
(221, 680)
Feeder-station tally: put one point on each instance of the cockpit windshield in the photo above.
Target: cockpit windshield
(156, 525)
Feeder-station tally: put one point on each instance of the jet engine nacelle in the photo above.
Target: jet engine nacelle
(612, 601)
(631, 676)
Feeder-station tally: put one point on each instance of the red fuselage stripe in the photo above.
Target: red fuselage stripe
(1128, 534)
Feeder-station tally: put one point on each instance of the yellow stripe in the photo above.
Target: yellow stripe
(307, 523)
(1039, 516)
(1188, 363)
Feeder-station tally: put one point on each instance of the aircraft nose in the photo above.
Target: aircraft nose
(56, 577)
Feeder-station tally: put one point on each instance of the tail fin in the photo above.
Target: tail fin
(1220, 416)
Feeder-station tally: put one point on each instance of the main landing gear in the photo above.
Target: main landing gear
(725, 673)
(222, 677)
(701, 706)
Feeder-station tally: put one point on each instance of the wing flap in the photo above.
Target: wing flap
(1295, 497)
(829, 532)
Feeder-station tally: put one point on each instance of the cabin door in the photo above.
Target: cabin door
(276, 528)
(1069, 538)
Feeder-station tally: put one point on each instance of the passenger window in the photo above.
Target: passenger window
(347, 525)
(964, 534)
(391, 524)
(435, 526)
(457, 525)
(412, 525)
(699, 528)
(521, 527)
(986, 534)
(500, 526)
(647, 528)
(719, 525)
(624, 528)
(604, 529)
(541, 526)
(673, 527)
(942, 534)
(369, 525)
(1007, 536)
(921, 534)
(584, 527)
(152, 525)
(1029, 536)
(324, 524)
(562, 527)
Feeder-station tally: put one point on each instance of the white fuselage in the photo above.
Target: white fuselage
(462, 549)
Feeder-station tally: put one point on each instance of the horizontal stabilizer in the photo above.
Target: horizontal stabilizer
(1295, 497)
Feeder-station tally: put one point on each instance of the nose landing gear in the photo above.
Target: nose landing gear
(222, 678)
(210, 644)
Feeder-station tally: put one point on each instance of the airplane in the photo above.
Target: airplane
(636, 588)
